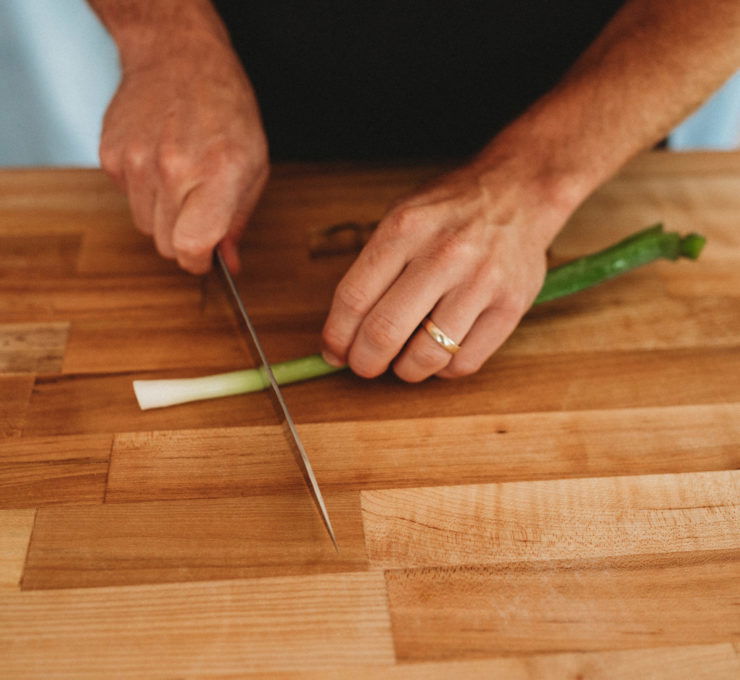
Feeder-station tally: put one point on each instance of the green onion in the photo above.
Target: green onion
(641, 248)
(158, 393)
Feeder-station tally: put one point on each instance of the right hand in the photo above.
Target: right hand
(184, 140)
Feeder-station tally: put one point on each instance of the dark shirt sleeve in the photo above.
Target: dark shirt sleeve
(408, 79)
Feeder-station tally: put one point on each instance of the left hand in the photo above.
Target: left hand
(468, 251)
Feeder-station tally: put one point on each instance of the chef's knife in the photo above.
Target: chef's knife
(281, 408)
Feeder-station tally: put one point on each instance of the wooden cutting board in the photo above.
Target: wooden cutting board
(568, 512)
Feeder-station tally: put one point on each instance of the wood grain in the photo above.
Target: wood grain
(532, 384)
(457, 612)
(117, 250)
(164, 342)
(15, 394)
(552, 520)
(55, 253)
(53, 298)
(94, 403)
(182, 630)
(50, 470)
(693, 192)
(75, 193)
(568, 512)
(207, 463)
(105, 403)
(160, 542)
(32, 347)
(695, 662)
(722, 280)
(15, 533)
(618, 317)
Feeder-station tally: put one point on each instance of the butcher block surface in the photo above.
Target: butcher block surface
(571, 511)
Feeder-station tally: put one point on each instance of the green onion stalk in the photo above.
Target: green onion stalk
(635, 251)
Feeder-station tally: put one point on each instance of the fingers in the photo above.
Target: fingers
(165, 212)
(188, 148)
(470, 249)
(478, 340)
(488, 333)
(376, 268)
(187, 225)
(187, 217)
(129, 169)
(387, 293)
(204, 218)
(476, 302)
(386, 328)
(422, 357)
(141, 195)
(211, 212)
(247, 205)
(153, 199)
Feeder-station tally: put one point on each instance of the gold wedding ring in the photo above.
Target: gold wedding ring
(440, 337)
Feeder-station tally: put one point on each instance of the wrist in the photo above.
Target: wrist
(520, 168)
(544, 161)
(163, 32)
(143, 51)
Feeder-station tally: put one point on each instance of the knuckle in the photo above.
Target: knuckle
(490, 278)
(430, 357)
(455, 247)
(352, 297)
(231, 159)
(136, 155)
(480, 289)
(382, 332)
(514, 302)
(379, 249)
(333, 340)
(403, 221)
(228, 159)
(258, 170)
(110, 160)
(172, 162)
(431, 267)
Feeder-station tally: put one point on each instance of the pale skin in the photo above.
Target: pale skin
(184, 139)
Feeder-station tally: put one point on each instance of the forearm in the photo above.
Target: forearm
(651, 66)
(146, 31)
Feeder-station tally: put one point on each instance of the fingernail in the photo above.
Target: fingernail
(332, 360)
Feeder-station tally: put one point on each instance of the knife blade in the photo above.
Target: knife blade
(279, 404)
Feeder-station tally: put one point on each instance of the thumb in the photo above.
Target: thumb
(203, 221)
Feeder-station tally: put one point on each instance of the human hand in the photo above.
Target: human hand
(184, 140)
(468, 251)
